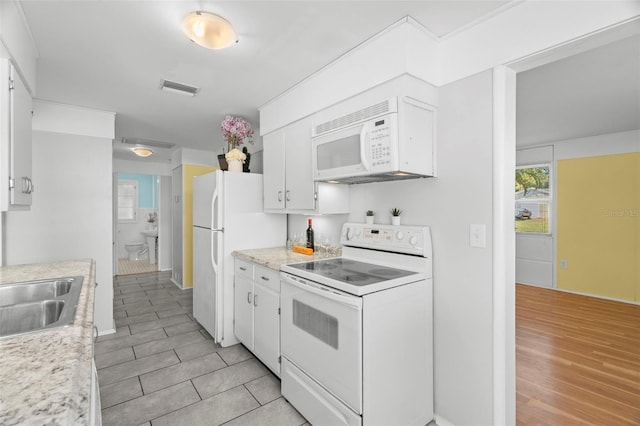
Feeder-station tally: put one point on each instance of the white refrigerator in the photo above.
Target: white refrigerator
(227, 215)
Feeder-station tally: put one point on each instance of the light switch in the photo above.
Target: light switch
(478, 235)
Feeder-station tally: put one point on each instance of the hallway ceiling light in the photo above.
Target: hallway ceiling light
(142, 152)
(209, 30)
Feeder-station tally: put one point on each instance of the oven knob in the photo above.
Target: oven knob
(349, 234)
(399, 235)
(358, 231)
(413, 240)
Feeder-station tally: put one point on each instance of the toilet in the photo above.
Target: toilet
(136, 250)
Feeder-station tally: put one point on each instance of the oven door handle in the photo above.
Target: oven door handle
(351, 301)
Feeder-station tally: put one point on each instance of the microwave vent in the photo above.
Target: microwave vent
(354, 117)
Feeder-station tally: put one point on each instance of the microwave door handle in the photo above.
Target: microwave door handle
(364, 142)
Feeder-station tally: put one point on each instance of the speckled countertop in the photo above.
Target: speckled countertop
(45, 376)
(274, 257)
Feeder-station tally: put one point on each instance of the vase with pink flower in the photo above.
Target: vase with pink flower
(235, 131)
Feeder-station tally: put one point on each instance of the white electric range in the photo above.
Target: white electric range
(356, 331)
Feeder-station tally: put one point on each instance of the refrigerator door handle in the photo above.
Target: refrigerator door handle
(214, 252)
(214, 210)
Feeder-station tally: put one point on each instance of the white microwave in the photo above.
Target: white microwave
(396, 143)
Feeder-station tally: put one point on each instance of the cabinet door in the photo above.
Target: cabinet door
(95, 414)
(300, 188)
(20, 136)
(273, 170)
(243, 310)
(267, 326)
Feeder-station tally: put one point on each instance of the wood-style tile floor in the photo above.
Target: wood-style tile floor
(162, 368)
(577, 359)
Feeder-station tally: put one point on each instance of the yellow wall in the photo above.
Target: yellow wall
(188, 173)
(598, 225)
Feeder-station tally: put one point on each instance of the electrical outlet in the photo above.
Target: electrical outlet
(563, 264)
(478, 235)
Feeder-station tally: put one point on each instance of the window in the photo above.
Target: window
(533, 199)
(127, 201)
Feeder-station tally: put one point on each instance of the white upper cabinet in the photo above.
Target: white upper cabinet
(273, 171)
(288, 175)
(17, 88)
(15, 139)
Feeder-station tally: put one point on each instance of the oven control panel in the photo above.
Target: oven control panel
(401, 239)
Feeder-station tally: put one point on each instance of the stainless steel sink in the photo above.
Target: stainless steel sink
(12, 294)
(38, 305)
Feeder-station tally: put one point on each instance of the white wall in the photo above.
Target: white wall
(326, 227)
(71, 214)
(142, 167)
(459, 196)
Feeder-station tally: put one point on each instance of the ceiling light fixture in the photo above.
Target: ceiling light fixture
(209, 30)
(142, 152)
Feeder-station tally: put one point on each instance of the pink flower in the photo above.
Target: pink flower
(235, 130)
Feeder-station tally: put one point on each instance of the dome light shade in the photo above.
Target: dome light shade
(142, 152)
(209, 30)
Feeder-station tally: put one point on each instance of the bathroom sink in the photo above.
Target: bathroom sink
(151, 232)
(38, 305)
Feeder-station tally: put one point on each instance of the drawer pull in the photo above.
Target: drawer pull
(264, 278)
(242, 268)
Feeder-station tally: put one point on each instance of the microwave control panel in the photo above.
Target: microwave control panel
(381, 138)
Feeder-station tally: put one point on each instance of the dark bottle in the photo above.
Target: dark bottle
(310, 243)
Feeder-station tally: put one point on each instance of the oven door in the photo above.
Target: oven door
(321, 333)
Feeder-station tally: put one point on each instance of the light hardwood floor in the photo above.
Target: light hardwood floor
(577, 359)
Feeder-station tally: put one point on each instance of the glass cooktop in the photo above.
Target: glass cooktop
(351, 271)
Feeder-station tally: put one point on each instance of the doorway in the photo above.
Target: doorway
(139, 221)
(576, 126)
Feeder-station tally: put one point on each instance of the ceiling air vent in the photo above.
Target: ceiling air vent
(179, 88)
(147, 142)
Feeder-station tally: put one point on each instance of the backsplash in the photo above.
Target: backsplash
(326, 228)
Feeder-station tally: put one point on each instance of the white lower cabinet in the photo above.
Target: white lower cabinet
(95, 416)
(256, 320)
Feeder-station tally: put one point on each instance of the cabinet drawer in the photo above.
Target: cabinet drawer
(243, 269)
(268, 278)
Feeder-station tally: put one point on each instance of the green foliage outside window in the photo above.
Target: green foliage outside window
(532, 188)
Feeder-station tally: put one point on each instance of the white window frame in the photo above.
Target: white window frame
(551, 203)
(135, 214)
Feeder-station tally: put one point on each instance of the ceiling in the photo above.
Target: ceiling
(593, 93)
(112, 56)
